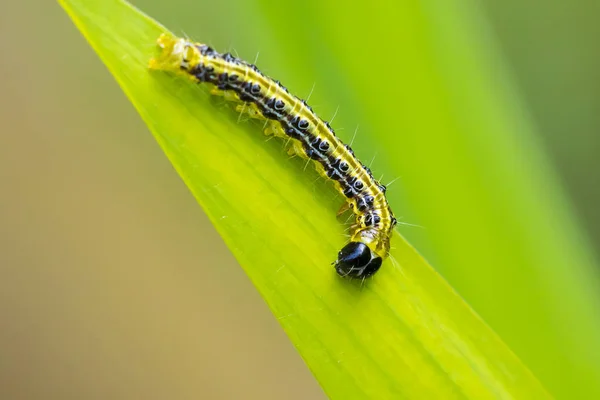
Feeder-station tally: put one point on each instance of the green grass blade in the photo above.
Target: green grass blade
(404, 334)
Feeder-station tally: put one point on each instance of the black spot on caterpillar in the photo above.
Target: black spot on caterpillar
(311, 138)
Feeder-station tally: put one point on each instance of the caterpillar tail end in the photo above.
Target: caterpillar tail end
(171, 53)
(356, 260)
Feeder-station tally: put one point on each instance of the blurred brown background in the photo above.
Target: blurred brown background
(113, 284)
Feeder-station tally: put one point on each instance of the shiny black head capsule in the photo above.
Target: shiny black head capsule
(355, 260)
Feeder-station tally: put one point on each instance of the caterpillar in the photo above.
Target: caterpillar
(311, 138)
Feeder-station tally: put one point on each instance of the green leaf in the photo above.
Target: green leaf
(403, 334)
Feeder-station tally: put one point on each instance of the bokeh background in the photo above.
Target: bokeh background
(113, 284)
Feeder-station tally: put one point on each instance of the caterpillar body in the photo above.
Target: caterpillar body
(311, 137)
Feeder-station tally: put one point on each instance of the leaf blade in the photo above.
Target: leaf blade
(404, 334)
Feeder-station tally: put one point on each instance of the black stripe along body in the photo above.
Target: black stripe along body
(311, 138)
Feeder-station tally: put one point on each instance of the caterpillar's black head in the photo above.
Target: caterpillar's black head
(356, 260)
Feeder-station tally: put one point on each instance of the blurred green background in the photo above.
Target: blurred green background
(113, 284)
